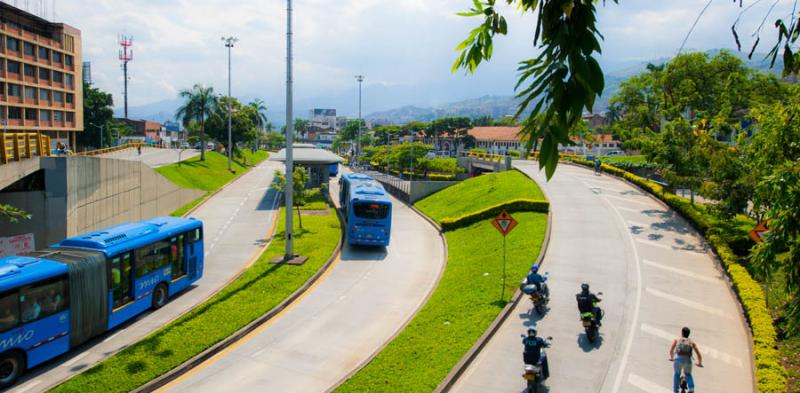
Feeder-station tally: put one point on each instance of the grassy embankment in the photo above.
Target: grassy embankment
(259, 289)
(209, 175)
(467, 298)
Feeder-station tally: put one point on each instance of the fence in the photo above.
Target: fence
(405, 190)
(19, 146)
(107, 150)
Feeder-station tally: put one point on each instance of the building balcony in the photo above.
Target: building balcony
(45, 123)
(14, 99)
(69, 105)
(30, 79)
(30, 58)
(15, 122)
(14, 76)
(59, 85)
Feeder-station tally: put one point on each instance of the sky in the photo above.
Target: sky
(405, 48)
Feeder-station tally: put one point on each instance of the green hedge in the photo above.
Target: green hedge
(441, 177)
(770, 373)
(515, 205)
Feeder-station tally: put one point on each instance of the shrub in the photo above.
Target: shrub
(441, 177)
(478, 151)
(515, 205)
(513, 153)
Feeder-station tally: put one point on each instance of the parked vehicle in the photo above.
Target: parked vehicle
(616, 153)
(60, 297)
(367, 210)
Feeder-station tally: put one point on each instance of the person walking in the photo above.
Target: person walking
(684, 348)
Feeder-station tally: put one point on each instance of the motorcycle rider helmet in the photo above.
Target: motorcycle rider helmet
(535, 268)
(585, 287)
(531, 332)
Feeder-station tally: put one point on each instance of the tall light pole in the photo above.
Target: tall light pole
(359, 79)
(229, 41)
(289, 254)
(102, 128)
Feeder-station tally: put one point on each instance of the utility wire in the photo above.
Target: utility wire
(693, 26)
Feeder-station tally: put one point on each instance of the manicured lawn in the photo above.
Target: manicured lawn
(209, 175)
(314, 200)
(479, 193)
(613, 160)
(462, 307)
(258, 290)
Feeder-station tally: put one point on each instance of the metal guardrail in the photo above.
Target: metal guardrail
(394, 185)
(17, 146)
(107, 150)
(484, 156)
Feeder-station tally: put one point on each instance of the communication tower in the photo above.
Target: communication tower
(125, 55)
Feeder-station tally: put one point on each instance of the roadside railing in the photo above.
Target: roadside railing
(17, 146)
(129, 145)
(484, 156)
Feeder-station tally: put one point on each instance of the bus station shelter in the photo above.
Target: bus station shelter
(317, 161)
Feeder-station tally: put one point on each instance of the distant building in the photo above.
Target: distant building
(497, 140)
(595, 120)
(144, 131)
(322, 119)
(596, 144)
(87, 73)
(39, 81)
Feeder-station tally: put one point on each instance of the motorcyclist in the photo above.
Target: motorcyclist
(587, 302)
(537, 280)
(533, 353)
(597, 165)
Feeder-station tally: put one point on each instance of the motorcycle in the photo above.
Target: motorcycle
(534, 373)
(539, 296)
(589, 322)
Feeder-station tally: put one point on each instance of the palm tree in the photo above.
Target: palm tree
(301, 127)
(259, 117)
(199, 103)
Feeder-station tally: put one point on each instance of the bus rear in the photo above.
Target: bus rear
(369, 217)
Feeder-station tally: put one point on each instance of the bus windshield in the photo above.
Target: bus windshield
(370, 210)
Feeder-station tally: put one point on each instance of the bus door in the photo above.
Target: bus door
(121, 287)
(194, 252)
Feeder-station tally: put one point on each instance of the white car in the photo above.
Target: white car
(616, 153)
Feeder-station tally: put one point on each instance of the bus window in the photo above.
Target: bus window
(121, 279)
(196, 235)
(177, 257)
(9, 311)
(41, 300)
(370, 211)
(152, 257)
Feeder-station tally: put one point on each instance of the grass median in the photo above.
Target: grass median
(259, 289)
(467, 298)
(209, 175)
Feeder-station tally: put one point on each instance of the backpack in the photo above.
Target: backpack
(684, 347)
(585, 303)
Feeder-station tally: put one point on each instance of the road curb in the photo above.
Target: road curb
(476, 349)
(209, 353)
(413, 315)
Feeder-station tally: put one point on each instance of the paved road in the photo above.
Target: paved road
(657, 276)
(153, 157)
(236, 222)
(368, 297)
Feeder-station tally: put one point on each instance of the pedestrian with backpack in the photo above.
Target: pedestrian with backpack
(681, 353)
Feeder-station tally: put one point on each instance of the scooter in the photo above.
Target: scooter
(539, 296)
(589, 322)
(534, 373)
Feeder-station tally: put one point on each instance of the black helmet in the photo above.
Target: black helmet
(585, 287)
(531, 332)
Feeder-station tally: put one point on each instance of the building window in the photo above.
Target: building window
(68, 79)
(30, 114)
(12, 66)
(30, 70)
(44, 74)
(70, 98)
(44, 115)
(29, 49)
(44, 94)
(58, 77)
(68, 60)
(56, 57)
(70, 117)
(44, 53)
(12, 43)
(58, 96)
(58, 116)
(14, 90)
(30, 92)
(14, 112)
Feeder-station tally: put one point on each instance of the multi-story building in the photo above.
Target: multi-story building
(322, 119)
(40, 76)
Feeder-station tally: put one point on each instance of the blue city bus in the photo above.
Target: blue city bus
(334, 169)
(58, 298)
(367, 210)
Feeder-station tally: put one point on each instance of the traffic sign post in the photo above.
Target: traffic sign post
(504, 224)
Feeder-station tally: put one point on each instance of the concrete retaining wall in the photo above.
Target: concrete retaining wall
(87, 193)
(421, 189)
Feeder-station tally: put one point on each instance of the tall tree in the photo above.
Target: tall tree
(301, 127)
(98, 111)
(243, 128)
(199, 103)
(259, 113)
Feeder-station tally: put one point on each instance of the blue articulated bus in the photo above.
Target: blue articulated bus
(58, 298)
(367, 210)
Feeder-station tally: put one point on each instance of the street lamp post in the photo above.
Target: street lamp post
(289, 254)
(359, 79)
(229, 41)
(102, 129)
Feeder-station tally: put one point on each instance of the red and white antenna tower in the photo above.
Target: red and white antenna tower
(125, 55)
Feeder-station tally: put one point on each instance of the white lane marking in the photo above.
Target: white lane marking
(647, 386)
(632, 210)
(603, 186)
(705, 350)
(111, 337)
(682, 272)
(637, 303)
(29, 385)
(75, 359)
(689, 303)
(629, 200)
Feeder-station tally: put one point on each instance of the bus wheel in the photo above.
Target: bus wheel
(12, 365)
(160, 295)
